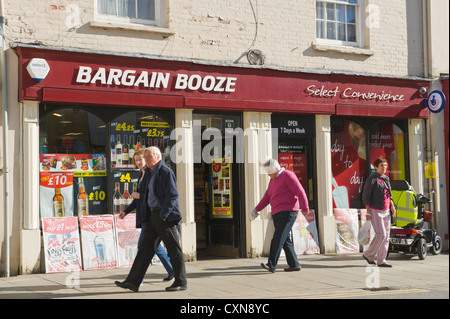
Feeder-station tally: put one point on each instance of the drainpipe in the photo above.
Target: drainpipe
(426, 71)
(5, 169)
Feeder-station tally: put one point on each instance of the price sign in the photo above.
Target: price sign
(124, 127)
(56, 180)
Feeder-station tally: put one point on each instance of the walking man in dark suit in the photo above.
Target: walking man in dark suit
(162, 202)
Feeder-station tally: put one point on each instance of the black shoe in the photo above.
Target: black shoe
(168, 278)
(369, 262)
(266, 267)
(176, 287)
(385, 265)
(293, 269)
(126, 285)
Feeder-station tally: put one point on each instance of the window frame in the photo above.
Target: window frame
(115, 19)
(359, 26)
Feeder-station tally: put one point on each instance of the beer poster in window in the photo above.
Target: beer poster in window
(98, 242)
(221, 188)
(61, 244)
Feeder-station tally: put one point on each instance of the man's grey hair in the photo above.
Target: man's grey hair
(154, 150)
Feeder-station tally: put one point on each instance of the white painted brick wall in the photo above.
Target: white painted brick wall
(221, 30)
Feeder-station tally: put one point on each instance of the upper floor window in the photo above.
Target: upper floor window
(338, 22)
(131, 11)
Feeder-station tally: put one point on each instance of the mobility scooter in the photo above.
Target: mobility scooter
(411, 231)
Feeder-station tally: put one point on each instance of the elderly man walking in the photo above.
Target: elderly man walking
(162, 204)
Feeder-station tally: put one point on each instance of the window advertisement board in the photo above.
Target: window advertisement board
(61, 244)
(98, 242)
(72, 185)
(387, 140)
(348, 163)
(221, 190)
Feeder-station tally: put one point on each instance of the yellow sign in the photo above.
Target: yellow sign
(430, 170)
(155, 124)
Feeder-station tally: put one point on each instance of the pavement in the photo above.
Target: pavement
(325, 276)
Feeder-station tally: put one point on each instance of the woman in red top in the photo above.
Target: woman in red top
(283, 194)
(377, 198)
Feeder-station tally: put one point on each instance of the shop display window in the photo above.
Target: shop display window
(354, 147)
(387, 140)
(86, 163)
(131, 132)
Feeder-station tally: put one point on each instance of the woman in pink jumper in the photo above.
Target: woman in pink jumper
(283, 194)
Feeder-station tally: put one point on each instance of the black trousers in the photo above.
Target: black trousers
(154, 231)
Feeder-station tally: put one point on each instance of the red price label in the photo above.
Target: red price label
(56, 180)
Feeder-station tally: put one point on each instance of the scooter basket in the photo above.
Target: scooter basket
(427, 215)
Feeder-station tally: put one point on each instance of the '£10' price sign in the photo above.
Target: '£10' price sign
(56, 180)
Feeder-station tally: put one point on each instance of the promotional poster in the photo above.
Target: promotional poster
(346, 231)
(61, 244)
(98, 242)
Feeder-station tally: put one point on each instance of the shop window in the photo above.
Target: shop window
(354, 148)
(387, 140)
(348, 162)
(84, 170)
(131, 11)
(338, 22)
(72, 163)
(131, 132)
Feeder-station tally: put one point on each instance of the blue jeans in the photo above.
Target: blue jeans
(162, 255)
(283, 222)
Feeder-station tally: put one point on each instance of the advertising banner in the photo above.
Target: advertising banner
(72, 185)
(348, 159)
(98, 242)
(305, 236)
(127, 236)
(221, 181)
(295, 162)
(61, 244)
(346, 231)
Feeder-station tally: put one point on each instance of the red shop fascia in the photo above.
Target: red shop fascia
(90, 78)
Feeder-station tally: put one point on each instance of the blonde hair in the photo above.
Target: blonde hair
(139, 153)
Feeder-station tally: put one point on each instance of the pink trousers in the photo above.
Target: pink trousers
(381, 222)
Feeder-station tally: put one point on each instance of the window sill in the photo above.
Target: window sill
(131, 27)
(342, 49)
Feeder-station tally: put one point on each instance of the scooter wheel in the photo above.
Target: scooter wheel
(422, 249)
(437, 246)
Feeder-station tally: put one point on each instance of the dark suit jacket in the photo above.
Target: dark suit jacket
(165, 189)
(142, 211)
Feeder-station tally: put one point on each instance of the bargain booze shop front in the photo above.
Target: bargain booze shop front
(84, 114)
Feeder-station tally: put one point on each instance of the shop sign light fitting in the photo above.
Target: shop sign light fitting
(38, 69)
